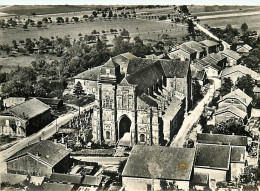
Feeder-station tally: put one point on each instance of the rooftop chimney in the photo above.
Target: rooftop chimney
(242, 157)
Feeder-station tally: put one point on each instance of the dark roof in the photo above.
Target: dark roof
(212, 156)
(137, 64)
(29, 109)
(207, 62)
(67, 178)
(47, 186)
(47, 151)
(175, 68)
(76, 179)
(148, 100)
(194, 45)
(200, 178)
(235, 140)
(160, 162)
(238, 154)
(50, 101)
(146, 77)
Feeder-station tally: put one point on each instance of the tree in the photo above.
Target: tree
(246, 83)
(231, 126)
(78, 89)
(244, 28)
(25, 27)
(191, 30)
(184, 9)
(94, 13)
(59, 20)
(226, 86)
(39, 24)
(197, 91)
(125, 33)
(45, 19)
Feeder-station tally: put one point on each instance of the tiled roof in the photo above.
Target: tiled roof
(231, 53)
(47, 186)
(91, 180)
(212, 156)
(240, 95)
(111, 63)
(90, 74)
(194, 45)
(240, 68)
(238, 112)
(128, 55)
(146, 77)
(47, 151)
(173, 108)
(175, 68)
(238, 154)
(217, 56)
(242, 49)
(208, 43)
(187, 49)
(235, 140)
(173, 56)
(209, 62)
(49, 101)
(66, 178)
(137, 64)
(29, 109)
(160, 162)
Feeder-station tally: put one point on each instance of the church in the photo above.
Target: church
(138, 100)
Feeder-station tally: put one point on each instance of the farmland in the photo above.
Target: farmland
(251, 20)
(145, 28)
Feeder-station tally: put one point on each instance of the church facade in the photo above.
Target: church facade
(138, 101)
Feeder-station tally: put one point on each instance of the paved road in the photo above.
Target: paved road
(194, 116)
(210, 34)
(43, 134)
(102, 160)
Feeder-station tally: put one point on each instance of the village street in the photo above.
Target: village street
(194, 116)
(43, 134)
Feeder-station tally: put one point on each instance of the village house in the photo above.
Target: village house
(54, 103)
(213, 161)
(12, 101)
(218, 59)
(211, 69)
(25, 119)
(77, 180)
(40, 159)
(238, 71)
(238, 149)
(233, 58)
(236, 104)
(149, 167)
(199, 74)
(183, 52)
(244, 49)
(210, 45)
(132, 96)
(199, 48)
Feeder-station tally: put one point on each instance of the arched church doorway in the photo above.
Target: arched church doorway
(124, 126)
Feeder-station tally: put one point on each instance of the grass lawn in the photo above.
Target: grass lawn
(134, 26)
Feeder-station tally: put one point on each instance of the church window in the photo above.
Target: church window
(107, 135)
(108, 71)
(119, 102)
(142, 138)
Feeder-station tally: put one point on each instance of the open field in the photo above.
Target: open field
(46, 9)
(251, 20)
(246, 10)
(145, 28)
(10, 63)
